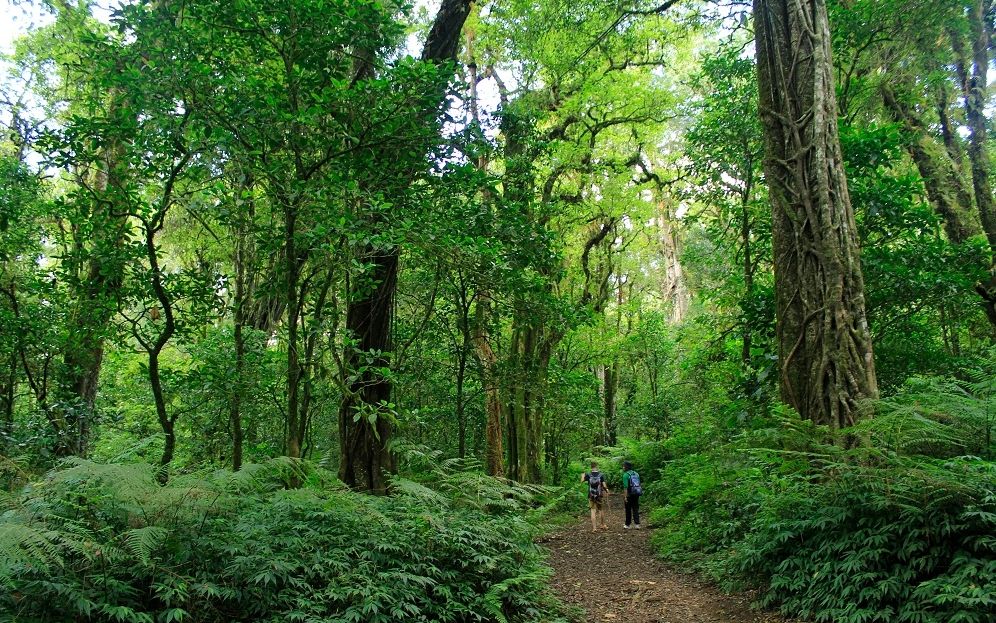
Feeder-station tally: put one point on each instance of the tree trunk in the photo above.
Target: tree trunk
(364, 427)
(978, 155)
(291, 293)
(610, 393)
(488, 361)
(8, 385)
(941, 176)
(364, 438)
(235, 407)
(673, 288)
(745, 234)
(975, 102)
(166, 421)
(518, 408)
(825, 350)
(461, 415)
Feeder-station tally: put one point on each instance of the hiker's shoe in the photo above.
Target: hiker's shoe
(637, 526)
(626, 526)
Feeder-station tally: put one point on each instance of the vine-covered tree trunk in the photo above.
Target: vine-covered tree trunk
(364, 439)
(825, 350)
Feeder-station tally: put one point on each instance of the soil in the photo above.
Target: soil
(614, 576)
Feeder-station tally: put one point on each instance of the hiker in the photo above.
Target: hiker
(598, 492)
(632, 490)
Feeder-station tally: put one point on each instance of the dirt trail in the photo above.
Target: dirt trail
(614, 576)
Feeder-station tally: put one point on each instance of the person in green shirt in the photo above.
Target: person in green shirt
(632, 490)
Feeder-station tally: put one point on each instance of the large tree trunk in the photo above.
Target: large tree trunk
(364, 429)
(364, 442)
(484, 353)
(825, 350)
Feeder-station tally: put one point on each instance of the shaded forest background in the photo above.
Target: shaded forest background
(259, 257)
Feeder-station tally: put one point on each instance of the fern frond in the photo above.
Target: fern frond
(143, 542)
(23, 545)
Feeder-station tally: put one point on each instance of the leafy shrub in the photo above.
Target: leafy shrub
(106, 543)
(891, 520)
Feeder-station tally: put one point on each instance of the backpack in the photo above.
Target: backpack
(634, 484)
(595, 480)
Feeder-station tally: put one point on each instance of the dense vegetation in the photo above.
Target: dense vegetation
(308, 308)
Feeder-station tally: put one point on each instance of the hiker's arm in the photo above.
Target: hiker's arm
(584, 477)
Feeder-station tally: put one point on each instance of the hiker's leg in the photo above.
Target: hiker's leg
(629, 510)
(594, 511)
(601, 514)
(636, 509)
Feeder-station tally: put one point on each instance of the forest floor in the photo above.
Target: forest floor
(614, 576)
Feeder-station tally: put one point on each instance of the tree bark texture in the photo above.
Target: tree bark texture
(975, 102)
(825, 350)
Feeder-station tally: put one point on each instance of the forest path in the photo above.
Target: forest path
(614, 576)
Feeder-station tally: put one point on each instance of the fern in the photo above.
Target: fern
(24, 546)
(896, 527)
(143, 542)
(107, 543)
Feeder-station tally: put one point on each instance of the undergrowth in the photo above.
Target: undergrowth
(893, 520)
(101, 542)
